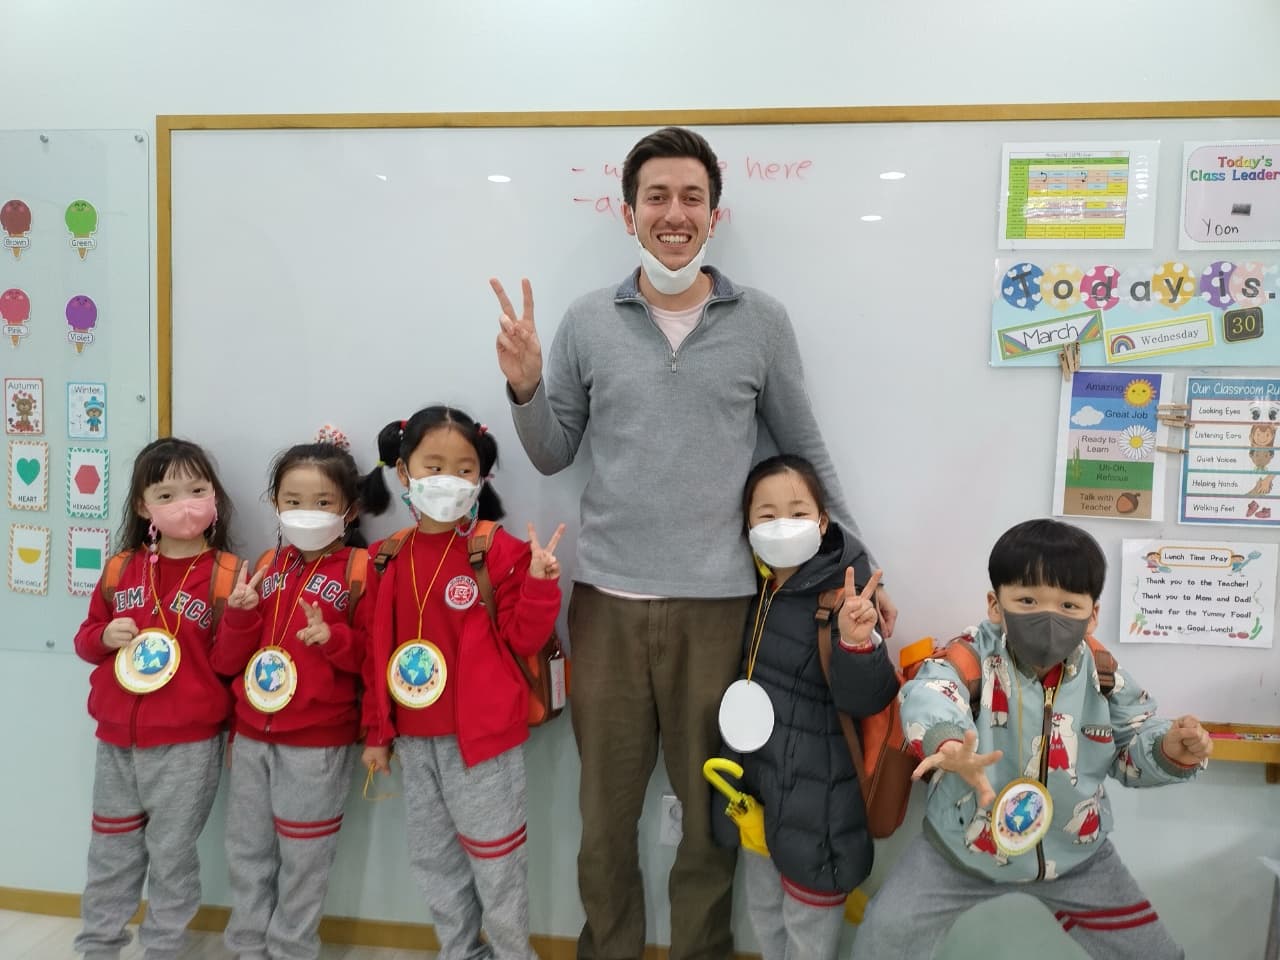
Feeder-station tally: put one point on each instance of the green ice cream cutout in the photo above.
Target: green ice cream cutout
(82, 221)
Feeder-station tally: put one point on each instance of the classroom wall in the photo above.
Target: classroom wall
(73, 63)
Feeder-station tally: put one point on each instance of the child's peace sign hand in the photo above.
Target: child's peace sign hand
(519, 352)
(316, 631)
(543, 564)
(964, 761)
(245, 594)
(858, 616)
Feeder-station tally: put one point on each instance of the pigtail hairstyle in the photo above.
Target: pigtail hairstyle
(399, 438)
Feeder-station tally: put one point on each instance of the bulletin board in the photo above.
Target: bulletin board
(77, 363)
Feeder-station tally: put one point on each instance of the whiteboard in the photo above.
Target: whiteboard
(341, 275)
(47, 171)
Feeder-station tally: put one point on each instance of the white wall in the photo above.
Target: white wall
(74, 63)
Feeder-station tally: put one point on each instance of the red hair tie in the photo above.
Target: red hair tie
(403, 423)
(482, 429)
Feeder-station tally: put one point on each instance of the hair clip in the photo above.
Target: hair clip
(331, 434)
(481, 429)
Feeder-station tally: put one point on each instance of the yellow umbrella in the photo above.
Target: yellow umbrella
(743, 809)
(746, 811)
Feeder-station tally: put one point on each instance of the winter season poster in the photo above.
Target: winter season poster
(1217, 593)
(1194, 313)
(1107, 439)
(1230, 474)
(86, 410)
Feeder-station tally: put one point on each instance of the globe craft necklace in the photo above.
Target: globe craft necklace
(746, 712)
(271, 676)
(1023, 810)
(417, 672)
(149, 661)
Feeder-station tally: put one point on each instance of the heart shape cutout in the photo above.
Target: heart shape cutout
(28, 469)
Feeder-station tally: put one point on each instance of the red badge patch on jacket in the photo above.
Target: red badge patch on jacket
(461, 592)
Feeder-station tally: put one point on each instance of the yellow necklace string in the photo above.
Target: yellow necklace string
(155, 596)
(421, 600)
(1049, 694)
(277, 637)
(757, 628)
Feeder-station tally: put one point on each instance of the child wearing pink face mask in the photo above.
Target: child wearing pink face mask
(160, 699)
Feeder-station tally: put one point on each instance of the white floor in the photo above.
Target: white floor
(31, 936)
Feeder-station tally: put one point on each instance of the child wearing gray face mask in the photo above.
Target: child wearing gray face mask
(1022, 740)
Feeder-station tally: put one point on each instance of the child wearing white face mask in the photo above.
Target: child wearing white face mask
(442, 681)
(302, 624)
(781, 723)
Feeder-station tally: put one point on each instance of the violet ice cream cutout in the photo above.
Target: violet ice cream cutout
(82, 220)
(82, 317)
(15, 310)
(15, 220)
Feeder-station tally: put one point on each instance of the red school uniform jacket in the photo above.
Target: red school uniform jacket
(325, 709)
(485, 702)
(196, 703)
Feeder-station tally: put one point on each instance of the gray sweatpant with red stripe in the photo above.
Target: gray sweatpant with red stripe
(466, 833)
(790, 922)
(149, 806)
(1098, 904)
(284, 811)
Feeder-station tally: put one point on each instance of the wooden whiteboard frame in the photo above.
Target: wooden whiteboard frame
(1268, 753)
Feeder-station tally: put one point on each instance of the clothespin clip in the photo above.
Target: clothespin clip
(1174, 415)
(1180, 450)
(1069, 359)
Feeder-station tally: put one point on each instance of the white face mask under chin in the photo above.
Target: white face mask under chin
(311, 529)
(786, 542)
(665, 280)
(442, 497)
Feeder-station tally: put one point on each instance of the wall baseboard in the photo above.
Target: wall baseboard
(352, 931)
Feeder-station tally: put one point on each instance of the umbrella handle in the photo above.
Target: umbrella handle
(712, 770)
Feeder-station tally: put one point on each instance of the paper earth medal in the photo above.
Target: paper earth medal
(746, 716)
(416, 674)
(148, 661)
(270, 680)
(1021, 816)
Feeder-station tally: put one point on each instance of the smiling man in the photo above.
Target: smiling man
(671, 370)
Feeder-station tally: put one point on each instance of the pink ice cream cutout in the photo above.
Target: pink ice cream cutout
(82, 317)
(15, 310)
(15, 220)
(82, 220)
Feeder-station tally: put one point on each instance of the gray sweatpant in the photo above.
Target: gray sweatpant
(466, 834)
(284, 812)
(790, 922)
(149, 806)
(1098, 904)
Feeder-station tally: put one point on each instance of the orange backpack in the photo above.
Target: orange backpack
(547, 671)
(226, 567)
(355, 577)
(886, 780)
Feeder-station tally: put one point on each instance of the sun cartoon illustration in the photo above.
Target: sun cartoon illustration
(1138, 393)
(1138, 442)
